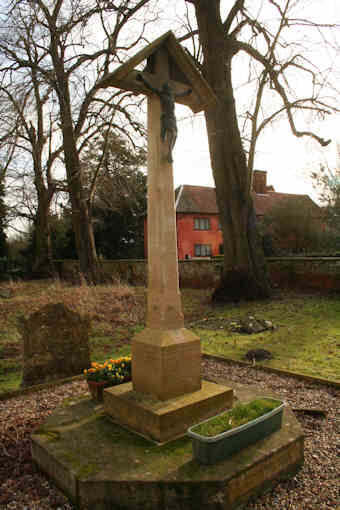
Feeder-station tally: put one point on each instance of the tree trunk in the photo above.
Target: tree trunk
(42, 264)
(81, 218)
(244, 274)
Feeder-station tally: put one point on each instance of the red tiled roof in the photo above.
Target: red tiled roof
(263, 203)
(202, 199)
(196, 199)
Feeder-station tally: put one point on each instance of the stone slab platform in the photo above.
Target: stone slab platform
(162, 420)
(101, 465)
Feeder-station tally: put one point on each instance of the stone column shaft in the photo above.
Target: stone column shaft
(166, 358)
(164, 302)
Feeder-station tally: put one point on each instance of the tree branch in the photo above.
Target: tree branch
(274, 76)
(237, 7)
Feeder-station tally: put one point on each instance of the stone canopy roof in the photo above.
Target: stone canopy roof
(183, 72)
(202, 200)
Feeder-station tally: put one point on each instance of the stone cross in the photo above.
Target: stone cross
(165, 356)
(164, 310)
(167, 394)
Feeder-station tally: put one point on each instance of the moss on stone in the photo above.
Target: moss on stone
(70, 401)
(82, 469)
(179, 447)
(49, 434)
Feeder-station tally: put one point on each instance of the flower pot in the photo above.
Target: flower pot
(209, 450)
(96, 389)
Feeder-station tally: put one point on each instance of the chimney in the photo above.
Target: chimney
(260, 181)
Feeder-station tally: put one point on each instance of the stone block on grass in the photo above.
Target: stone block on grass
(55, 344)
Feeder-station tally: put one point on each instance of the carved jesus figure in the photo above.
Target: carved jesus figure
(168, 119)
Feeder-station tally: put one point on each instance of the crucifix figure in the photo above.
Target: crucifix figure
(168, 119)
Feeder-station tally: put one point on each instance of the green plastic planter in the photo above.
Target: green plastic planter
(209, 450)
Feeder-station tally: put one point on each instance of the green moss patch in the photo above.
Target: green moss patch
(239, 415)
(49, 434)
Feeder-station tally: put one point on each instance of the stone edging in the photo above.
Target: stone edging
(36, 387)
(316, 380)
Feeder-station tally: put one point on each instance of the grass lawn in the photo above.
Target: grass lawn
(306, 337)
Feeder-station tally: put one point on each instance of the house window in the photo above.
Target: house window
(202, 250)
(202, 223)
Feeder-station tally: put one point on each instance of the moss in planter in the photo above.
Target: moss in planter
(238, 415)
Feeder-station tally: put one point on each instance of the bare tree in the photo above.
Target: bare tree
(71, 64)
(244, 275)
(34, 138)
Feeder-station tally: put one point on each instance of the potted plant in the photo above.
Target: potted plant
(109, 373)
(219, 437)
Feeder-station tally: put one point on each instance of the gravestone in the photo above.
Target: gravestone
(55, 344)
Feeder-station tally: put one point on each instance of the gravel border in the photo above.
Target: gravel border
(315, 487)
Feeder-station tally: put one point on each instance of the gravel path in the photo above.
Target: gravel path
(317, 484)
(315, 487)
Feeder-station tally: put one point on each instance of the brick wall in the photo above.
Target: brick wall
(320, 273)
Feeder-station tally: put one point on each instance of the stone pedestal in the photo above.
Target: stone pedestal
(166, 364)
(163, 420)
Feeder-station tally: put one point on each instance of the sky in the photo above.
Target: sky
(287, 159)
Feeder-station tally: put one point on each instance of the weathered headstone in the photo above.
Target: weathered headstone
(55, 344)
